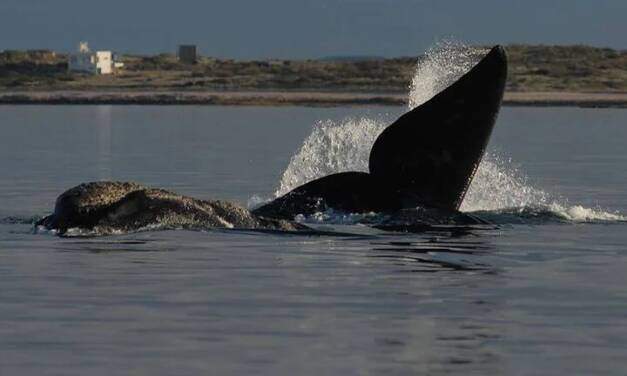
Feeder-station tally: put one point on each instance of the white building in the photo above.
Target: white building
(99, 62)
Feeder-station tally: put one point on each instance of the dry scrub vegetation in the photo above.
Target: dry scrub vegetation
(532, 68)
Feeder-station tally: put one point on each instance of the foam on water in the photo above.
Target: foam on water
(498, 187)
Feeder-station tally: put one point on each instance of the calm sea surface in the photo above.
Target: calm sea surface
(545, 293)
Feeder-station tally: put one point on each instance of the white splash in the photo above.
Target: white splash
(338, 218)
(578, 213)
(331, 147)
(345, 146)
(498, 185)
(441, 65)
(256, 201)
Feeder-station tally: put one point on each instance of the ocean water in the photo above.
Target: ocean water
(543, 292)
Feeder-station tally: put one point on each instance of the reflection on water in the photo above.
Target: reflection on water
(538, 293)
(103, 125)
(440, 252)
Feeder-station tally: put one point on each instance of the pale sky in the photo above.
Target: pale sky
(306, 29)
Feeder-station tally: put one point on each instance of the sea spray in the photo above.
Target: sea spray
(440, 66)
(497, 187)
(331, 147)
(345, 145)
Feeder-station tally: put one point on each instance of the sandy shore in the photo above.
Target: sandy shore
(279, 98)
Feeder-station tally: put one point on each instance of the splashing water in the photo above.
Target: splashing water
(332, 147)
(441, 65)
(497, 186)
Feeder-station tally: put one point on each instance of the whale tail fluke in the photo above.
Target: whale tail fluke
(426, 158)
(430, 154)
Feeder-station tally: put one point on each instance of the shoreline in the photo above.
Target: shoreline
(289, 98)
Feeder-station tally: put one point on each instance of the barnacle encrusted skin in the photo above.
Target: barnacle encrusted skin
(114, 207)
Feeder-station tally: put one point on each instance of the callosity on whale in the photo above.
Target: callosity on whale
(420, 169)
(110, 207)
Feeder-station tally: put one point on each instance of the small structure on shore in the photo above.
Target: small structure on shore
(188, 54)
(99, 62)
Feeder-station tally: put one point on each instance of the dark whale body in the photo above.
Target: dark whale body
(427, 158)
(420, 169)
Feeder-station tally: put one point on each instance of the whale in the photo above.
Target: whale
(419, 171)
(110, 207)
(427, 158)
